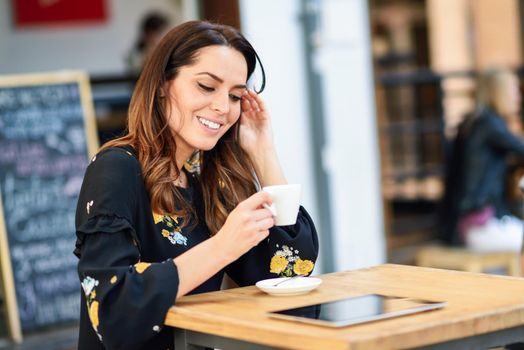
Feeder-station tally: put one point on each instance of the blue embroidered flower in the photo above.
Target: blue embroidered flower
(177, 238)
(172, 228)
(88, 285)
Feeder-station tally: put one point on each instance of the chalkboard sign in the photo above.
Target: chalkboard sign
(47, 135)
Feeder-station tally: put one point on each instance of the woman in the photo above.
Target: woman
(150, 230)
(152, 28)
(478, 214)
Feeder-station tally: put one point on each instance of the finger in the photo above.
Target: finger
(271, 209)
(246, 105)
(256, 200)
(253, 101)
(263, 234)
(261, 214)
(250, 97)
(258, 237)
(259, 101)
(254, 105)
(266, 224)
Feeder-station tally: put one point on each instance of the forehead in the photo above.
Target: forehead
(223, 61)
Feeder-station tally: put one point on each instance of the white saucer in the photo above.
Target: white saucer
(295, 286)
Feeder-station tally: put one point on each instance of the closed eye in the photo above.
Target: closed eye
(235, 98)
(206, 88)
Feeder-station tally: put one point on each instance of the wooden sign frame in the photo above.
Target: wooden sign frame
(6, 272)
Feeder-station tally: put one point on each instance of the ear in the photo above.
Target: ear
(164, 90)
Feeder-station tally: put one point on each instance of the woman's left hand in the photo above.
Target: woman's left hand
(255, 124)
(256, 138)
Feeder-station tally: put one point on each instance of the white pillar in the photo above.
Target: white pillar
(352, 155)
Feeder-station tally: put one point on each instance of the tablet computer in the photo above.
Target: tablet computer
(355, 310)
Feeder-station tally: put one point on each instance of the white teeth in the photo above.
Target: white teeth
(209, 123)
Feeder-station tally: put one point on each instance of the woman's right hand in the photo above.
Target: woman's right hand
(246, 226)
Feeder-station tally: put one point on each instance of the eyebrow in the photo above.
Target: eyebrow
(239, 86)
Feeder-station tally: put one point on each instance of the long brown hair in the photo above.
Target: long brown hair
(227, 175)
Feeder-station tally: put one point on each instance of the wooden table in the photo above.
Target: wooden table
(482, 311)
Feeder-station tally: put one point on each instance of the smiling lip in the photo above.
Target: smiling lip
(209, 124)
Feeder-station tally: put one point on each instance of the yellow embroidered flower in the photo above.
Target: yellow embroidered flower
(93, 314)
(303, 267)
(158, 218)
(165, 233)
(278, 264)
(92, 295)
(141, 266)
(113, 280)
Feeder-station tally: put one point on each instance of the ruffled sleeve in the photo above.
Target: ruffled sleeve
(102, 223)
(288, 251)
(108, 198)
(124, 299)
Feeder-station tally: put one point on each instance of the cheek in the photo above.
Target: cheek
(174, 123)
(234, 113)
(173, 116)
(178, 116)
(198, 103)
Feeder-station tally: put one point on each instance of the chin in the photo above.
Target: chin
(206, 146)
(206, 143)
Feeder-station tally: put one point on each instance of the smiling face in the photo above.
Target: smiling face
(204, 98)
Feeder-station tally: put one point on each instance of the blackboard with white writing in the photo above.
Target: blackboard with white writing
(44, 150)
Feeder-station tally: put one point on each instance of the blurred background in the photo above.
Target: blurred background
(365, 97)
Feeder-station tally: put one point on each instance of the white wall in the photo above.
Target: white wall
(273, 28)
(97, 48)
(351, 158)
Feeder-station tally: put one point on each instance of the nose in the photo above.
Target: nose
(220, 104)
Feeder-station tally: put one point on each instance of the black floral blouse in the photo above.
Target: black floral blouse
(125, 253)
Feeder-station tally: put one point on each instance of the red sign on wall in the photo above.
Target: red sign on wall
(53, 12)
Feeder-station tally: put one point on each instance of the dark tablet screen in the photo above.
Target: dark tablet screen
(356, 310)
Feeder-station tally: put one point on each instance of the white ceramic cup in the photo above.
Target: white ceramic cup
(286, 201)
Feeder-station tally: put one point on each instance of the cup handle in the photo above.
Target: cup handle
(271, 208)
